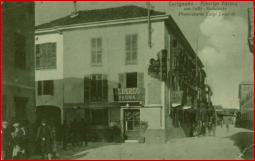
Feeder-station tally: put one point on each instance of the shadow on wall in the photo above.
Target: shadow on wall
(243, 140)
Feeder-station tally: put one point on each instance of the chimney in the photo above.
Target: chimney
(75, 12)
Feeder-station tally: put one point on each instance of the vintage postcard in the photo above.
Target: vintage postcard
(127, 80)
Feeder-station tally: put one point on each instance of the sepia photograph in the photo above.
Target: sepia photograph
(127, 80)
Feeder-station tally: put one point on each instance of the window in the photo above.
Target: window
(131, 49)
(96, 51)
(46, 56)
(131, 80)
(100, 117)
(96, 88)
(20, 51)
(45, 87)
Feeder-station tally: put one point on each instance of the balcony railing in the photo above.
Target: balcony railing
(129, 94)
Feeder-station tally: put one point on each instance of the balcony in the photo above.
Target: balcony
(129, 94)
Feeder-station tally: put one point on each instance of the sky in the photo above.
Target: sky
(220, 40)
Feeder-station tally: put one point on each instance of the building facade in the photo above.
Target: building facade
(251, 29)
(246, 99)
(17, 61)
(117, 69)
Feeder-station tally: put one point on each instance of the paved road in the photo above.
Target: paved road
(224, 146)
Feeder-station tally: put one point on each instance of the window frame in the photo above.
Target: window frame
(131, 49)
(96, 51)
(45, 55)
(97, 89)
(41, 88)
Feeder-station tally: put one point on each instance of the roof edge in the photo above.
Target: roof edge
(100, 23)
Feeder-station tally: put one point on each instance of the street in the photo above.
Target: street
(127, 80)
(225, 146)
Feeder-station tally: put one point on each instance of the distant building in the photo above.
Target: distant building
(17, 61)
(246, 99)
(101, 66)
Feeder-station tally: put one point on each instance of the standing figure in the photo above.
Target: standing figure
(74, 133)
(210, 126)
(65, 134)
(5, 141)
(214, 124)
(44, 137)
(84, 133)
(25, 133)
(227, 124)
(203, 129)
(18, 152)
(54, 141)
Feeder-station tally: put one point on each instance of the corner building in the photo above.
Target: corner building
(96, 67)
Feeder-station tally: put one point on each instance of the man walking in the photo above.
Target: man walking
(44, 137)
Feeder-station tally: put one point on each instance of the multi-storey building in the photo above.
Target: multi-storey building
(246, 99)
(116, 66)
(17, 61)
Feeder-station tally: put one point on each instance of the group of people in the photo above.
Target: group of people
(203, 128)
(14, 141)
(48, 136)
(16, 138)
(75, 133)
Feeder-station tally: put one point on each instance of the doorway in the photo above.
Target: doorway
(132, 124)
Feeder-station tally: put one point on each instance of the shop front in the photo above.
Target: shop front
(131, 101)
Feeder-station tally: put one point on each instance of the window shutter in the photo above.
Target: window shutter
(105, 88)
(87, 83)
(140, 80)
(122, 80)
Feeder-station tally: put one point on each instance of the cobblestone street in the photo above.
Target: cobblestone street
(225, 146)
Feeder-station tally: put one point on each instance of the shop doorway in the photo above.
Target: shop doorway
(132, 124)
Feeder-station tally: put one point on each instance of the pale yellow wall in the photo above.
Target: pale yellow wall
(77, 53)
(77, 58)
(153, 116)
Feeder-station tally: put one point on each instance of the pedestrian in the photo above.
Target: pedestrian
(74, 133)
(84, 133)
(203, 129)
(26, 141)
(227, 124)
(65, 134)
(44, 137)
(18, 152)
(210, 127)
(5, 140)
(214, 124)
(54, 141)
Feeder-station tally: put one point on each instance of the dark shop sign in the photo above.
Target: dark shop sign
(128, 94)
